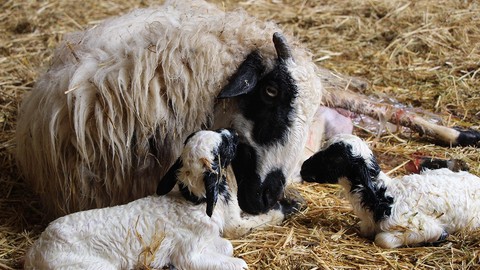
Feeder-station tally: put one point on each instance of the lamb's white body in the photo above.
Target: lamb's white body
(154, 231)
(409, 210)
(426, 205)
(157, 230)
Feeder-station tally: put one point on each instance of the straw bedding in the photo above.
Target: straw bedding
(421, 53)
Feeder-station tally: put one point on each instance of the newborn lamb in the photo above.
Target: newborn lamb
(155, 231)
(410, 210)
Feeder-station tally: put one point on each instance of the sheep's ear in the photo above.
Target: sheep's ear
(368, 172)
(170, 179)
(211, 181)
(245, 78)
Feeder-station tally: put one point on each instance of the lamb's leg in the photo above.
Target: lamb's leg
(223, 246)
(239, 224)
(69, 261)
(208, 259)
(245, 224)
(359, 104)
(395, 239)
(390, 239)
(55, 254)
(91, 265)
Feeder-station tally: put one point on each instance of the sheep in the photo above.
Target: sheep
(182, 229)
(108, 118)
(406, 211)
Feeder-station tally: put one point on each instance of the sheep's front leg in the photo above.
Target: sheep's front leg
(73, 261)
(209, 259)
(393, 239)
(247, 223)
(239, 224)
(390, 239)
(223, 246)
(360, 104)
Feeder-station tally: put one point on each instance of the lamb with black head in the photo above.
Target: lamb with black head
(409, 210)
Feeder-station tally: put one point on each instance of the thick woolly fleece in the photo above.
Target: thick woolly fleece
(110, 115)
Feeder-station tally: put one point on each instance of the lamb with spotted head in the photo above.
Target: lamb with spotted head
(183, 228)
(405, 211)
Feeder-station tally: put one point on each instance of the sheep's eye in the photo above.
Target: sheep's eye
(271, 91)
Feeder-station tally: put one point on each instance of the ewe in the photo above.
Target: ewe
(109, 117)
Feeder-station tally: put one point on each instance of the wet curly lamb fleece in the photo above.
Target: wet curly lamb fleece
(182, 228)
(108, 119)
(410, 210)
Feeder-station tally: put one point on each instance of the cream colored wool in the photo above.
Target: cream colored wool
(106, 121)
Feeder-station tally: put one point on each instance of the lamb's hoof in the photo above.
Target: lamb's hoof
(169, 267)
(443, 237)
(468, 137)
(291, 193)
(288, 207)
(291, 202)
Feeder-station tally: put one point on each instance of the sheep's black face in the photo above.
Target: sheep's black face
(269, 107)
(272, 125)
(349, 157)
(344, 155)
(213, 151)
(268, 110)
(339, 160)
(223, 155)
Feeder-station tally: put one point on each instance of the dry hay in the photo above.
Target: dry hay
(422, 53)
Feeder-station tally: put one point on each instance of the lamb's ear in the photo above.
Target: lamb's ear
(170, 179)
(374, 196)
(211, 181)
(367, 171)
(245, 78)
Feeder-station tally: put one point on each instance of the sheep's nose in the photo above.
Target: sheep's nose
(256, 196)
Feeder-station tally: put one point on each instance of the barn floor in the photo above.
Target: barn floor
(422, 54)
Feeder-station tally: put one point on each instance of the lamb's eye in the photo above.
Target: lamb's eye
(271, 91)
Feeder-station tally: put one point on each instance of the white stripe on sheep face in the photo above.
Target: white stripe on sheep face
(410, 210)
